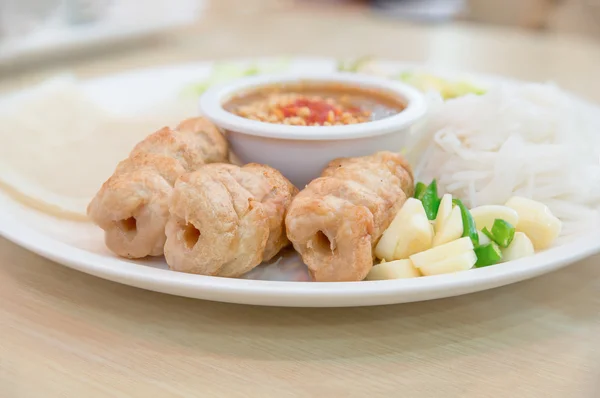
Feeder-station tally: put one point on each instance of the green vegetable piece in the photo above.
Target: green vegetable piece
(487, 233)
(431, 200)
(420, 190)
(464, 88)
(487, 255)
(355, 66)
(502, 233)
(468, 222)
(195, 89)
(224, 72)
(447, 89)
(406, 76)
(252, 70)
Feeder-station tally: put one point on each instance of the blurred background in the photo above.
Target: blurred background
(30, 29)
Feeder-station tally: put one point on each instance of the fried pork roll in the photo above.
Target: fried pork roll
(132, 205)
(336, 221)
(225, 219)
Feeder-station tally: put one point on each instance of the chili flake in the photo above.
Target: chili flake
(303, 110)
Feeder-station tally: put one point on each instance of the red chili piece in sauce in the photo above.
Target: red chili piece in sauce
(319, 110)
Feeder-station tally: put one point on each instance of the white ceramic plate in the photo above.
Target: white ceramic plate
(80, 245)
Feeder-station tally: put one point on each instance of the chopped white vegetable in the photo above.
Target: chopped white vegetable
(420, 239)
(439, 253)
(444, 211)
(520, 247)
(460, 262)
(399, 269)
(451, 229)
(483, 239)
(485, 216)
(536, 221)
(410, 232)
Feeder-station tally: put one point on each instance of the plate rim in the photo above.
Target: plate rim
(96, 264)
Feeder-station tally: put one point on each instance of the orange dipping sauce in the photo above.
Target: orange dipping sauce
(314, 104)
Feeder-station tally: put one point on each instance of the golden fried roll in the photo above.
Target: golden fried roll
(194, 142)
(336, 221)
(226, 219)
(132, 205)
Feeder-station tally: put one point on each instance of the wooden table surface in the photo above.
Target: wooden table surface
(67, 334)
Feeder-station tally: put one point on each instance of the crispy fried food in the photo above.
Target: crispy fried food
(194, 142)
(132, 205)
(225, 219)
(336, 221)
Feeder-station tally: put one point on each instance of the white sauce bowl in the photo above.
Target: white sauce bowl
(301, 152)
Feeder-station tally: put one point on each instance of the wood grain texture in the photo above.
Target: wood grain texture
(67, 334)
(64, 331)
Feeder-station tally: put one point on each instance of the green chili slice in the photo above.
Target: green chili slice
(502, 232)
(487, 255)
(468, 222)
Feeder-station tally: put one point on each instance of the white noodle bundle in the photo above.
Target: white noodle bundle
(531, 140)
